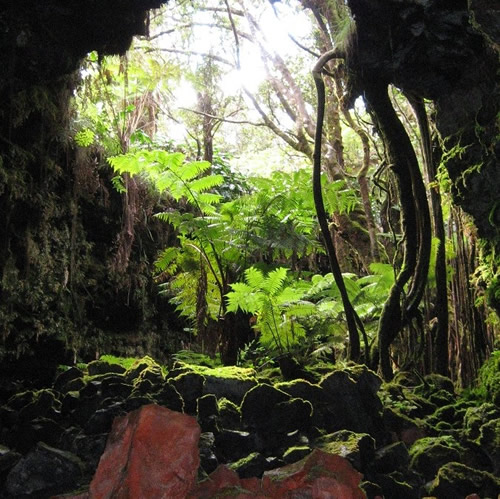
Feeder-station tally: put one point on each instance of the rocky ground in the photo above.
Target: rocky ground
(411, 438)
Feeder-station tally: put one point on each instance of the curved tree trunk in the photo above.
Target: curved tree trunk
(414, 221)
(440, 340)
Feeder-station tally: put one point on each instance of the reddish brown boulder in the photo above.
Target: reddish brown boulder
(151, 452)
(319, 475)
(225, 482)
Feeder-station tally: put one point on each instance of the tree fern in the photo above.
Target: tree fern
(169, 173)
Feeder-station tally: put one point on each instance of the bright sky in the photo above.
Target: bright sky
(207, 39)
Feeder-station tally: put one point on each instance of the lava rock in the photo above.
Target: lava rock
(253, 465)
(103, 367)
(151, 452)
(428, 454)
(358, 448)
(455, 481)
(190, 386)
(62, 380)
(43, 472)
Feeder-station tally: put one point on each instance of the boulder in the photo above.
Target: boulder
(8, 459)
(489, 440)
(358, 448)
(249, 466)
(350, 401)
(303, 389)
(455, 481)
(391, 457)
(24, 436)
(476, 417)
(229, 382)
(259, 403)
(103, 367)
(62, 380)
(168, 396)
(401, 427)
(45, 403)
(208, 412)
(296, 453)
(190, 386)
(43, 472)
(229, 414)
(428, 454)
(318, 475)
(231, 445)
(208, 459)
(224, 482)
(140, 365)
(151, 452)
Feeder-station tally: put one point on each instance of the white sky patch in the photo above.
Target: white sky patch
(184, 95)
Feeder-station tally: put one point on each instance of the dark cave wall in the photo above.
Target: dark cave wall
(446, 51)
(59, 216)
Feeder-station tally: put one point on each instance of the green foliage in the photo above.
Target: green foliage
(489, 379)
(84, 138)
(275, 305)
(196, 359)
(169, 173)
(126, 362)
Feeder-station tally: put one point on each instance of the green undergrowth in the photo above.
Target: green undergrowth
(125, 362)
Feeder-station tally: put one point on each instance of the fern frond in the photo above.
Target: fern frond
(255, 278)
(191, 170)
(166, 260)
(205, 183)
(275, 280)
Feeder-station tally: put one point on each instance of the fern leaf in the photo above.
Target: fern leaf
(209, 198)
(191, 170)
(288, 295)
(275, 280)
(242, 297)
(205, 183)
(255, 278)
(301, 308)
(166, 260)
(125, 163)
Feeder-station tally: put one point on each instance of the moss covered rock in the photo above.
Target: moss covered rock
(190, 386)
(103, 367)
(489, 379)
(390, 458)
(259, 403)
(456, 481)
(428, 454)
(229, 414)
(140, 365)
(303, 389)
(350, 401)
(476, 417)
(358, 448)
(253, 465)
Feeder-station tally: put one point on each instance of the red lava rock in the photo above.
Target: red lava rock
(151, 453)
(319, 475)
(225, 482)
(83, 495)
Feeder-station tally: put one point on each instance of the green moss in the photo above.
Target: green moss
(476, 417)
(126, 362)
(296, 453)
(489, 379)
(428, 454)
(457, 480)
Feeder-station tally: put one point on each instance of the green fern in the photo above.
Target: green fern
(275, 305)
(169, 173)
